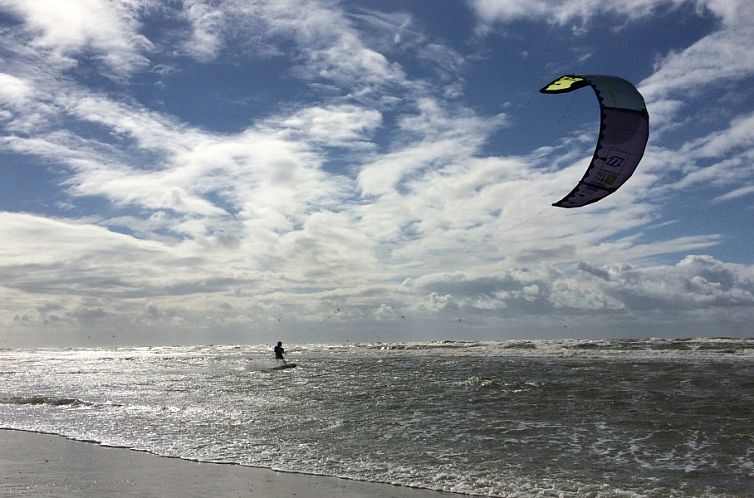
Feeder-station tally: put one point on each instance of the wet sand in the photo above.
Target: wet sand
(33, 464)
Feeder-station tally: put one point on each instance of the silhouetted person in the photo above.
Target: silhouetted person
(279, 351)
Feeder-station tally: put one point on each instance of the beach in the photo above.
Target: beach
(34, 464)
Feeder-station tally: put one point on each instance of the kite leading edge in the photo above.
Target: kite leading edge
(624, 131)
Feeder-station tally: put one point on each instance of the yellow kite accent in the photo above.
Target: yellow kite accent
(562, 84)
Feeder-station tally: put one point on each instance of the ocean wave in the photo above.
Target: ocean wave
(44, 400)
(417, 346)
(709, 348)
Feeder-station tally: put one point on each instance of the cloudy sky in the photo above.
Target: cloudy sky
(236, 171)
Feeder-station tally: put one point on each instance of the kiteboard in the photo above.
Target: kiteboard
(284, 366)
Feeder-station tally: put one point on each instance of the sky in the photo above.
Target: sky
(236, 171)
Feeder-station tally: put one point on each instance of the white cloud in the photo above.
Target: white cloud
(108, 30)
(327, 45)
(13, 90)
(437, 302)
(721, 56)
(150, 130)
(731, 12)
(720, 159)
(737, 137)
(562, 12)
(436, 139)
(28, 232)
(693, 282)
(334, 125)
(735, 193)
(207, 23)
(249, 225)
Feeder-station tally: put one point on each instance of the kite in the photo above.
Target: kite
(624, 131)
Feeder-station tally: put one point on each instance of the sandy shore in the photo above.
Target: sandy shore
(34, 464)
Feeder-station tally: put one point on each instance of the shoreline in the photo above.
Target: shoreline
(37, 463)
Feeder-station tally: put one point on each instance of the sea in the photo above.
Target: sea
(570, 418)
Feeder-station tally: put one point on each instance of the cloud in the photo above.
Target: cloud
(722, 56)
(108, 31)
(207, 25)
(694, 282)
(13, 90)
(563, 12)
(29, 231)
(396, 33)
(720, 159)
(438, 137)
(735, 193)
(737, 137)
(377, 194)
(327, 46)
(158, 163)
(333, 125)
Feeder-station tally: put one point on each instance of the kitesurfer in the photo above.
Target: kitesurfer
(279, 351)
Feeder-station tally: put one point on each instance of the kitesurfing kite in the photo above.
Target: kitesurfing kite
(624, 131)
